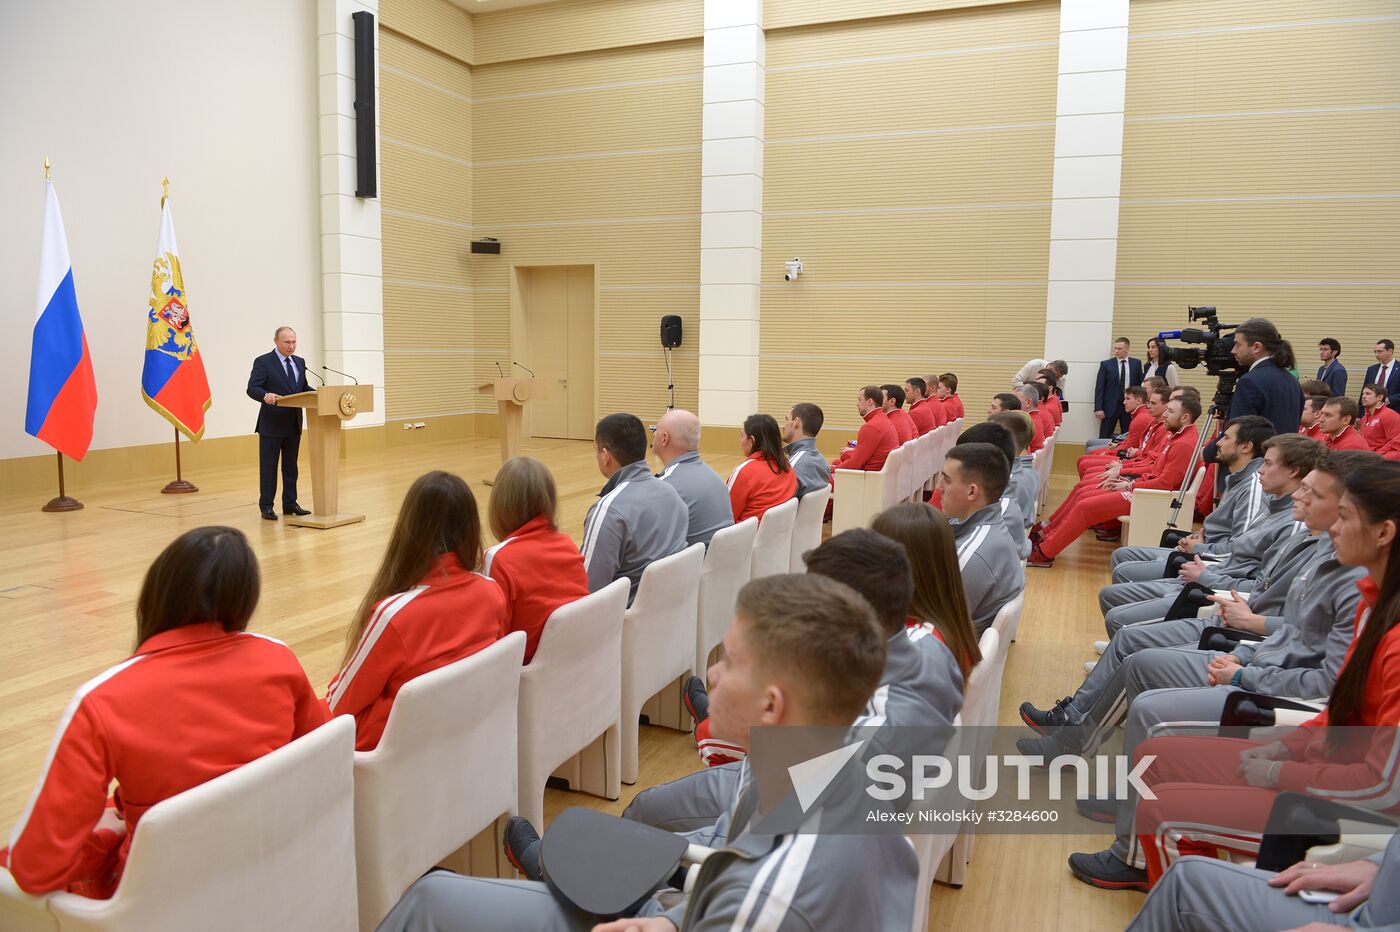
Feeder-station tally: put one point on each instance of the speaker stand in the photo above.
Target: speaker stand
(670, 382)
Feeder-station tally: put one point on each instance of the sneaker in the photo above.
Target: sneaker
(1101, 869)
(1055, 717)
(522, 847)
(696, 698)
(1038, 557)
(1108, 537)
(1100, 647)
(1046, 747)
(1099, 810)
(1036, 531)
(1089, 665)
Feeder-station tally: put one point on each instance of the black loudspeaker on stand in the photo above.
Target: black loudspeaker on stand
(670, 338)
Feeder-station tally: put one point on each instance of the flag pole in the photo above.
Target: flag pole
(63, 502)
(179, 486)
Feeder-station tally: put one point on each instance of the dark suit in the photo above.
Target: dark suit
(1335, 375)
(1392, 386)
(278, 429)
(1268, 391)
(1108, 394)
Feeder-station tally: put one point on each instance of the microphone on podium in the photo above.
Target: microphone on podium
(338, 372)
(526, 368)
(319, 378)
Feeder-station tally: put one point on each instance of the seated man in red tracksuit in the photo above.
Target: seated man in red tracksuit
(1144, 410)
(922, 411)
(876, 439)
(948, 394)
(1116, 500)
(1338, 425)
(935, 401)
(893, 406)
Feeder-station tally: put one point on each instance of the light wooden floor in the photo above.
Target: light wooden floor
(68, 584)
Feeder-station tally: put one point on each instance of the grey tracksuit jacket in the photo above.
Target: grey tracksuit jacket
(1246, 553)
(1025, 487)
(705, 495)
(1241, 504)
(1303, 655)
(637, 520)
(810, 466)
(991, 566)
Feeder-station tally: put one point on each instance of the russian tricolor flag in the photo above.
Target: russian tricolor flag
(62, 390)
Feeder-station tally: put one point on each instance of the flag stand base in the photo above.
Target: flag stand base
(63, 503)
(179, 487)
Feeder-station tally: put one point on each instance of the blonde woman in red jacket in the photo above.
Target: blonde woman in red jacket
(199, 697)
(426, 608)
(764, 479)
(537, 567)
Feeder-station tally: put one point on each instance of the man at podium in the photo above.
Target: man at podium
(275, 374)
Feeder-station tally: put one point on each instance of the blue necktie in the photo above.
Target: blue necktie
(291, 376)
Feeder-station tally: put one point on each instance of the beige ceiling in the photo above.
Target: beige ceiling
(489, 6)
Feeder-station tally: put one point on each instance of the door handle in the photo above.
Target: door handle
(564, 382)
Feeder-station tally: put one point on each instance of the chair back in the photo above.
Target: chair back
(270, 845)
(807, 528)
(895, 465)
(1008, 619)
(436, 778)
(772, 545)
(728, 565)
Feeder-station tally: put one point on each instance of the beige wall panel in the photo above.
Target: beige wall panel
(966, 245)
(972, 90)
(663, 61)
(425, 64)
(428, 317)
(1329, 65)
(636, 253)
(781, 14)
(630, 321)
(620, 187)
(1341, 240)
(604, 120)
(426, 384)
(1005, 25)
(563, 28)
(492, 306)
(426, 252)
(637, 383)
(1184, 15)
(924, 321)
(435, 23)
(425, 184)
(433, 120)
(1314, 154)
(1005, 166)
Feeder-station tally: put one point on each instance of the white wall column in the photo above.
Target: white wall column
(731, 210)
(1084, 208)
(352, 277)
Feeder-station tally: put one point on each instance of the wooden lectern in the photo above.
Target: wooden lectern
(511, 395)
(325, 408)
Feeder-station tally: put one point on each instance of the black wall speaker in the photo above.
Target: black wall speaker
(366, 152)
(487, 247)
(671, 330)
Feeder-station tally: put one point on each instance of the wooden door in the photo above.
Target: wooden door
(559, 325)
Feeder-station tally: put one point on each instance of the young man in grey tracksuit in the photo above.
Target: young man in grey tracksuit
(790, 632)
(676, 442)
(1241, 451)
(637, 519)
(972, 480)
(800, 431)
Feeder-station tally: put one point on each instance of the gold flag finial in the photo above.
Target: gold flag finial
(165, 193)
(46, 168)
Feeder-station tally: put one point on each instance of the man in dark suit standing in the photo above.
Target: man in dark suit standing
(1386, 373)
(275, 374)
(1332, 371)
(1116, 374)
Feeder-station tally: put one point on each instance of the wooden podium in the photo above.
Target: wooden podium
(325, 408)
(511, 395)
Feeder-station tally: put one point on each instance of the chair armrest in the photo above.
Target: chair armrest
(1299, 822)
(23, 912)
(1254, 709)
(1222, 639)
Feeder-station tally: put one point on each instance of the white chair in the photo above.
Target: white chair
(807, 528)
(932, 848)
(658, 637)
(772, 545)
(909, 475)
(1008, 620)
(443, 772)
(570, 701)
(1151, 510)
(861, 495)
(270, 845)
(981, 705)
(728, 565)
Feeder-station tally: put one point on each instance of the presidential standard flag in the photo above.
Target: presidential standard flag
(62, 391)
(172, 380)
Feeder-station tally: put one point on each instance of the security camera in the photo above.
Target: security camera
(794, 269)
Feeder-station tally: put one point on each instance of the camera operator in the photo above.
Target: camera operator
(1266, 388)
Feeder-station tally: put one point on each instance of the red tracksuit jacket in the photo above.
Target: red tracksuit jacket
(874, 442)
(940, 413)
(953, 407)
(921, 413)
(754, 487)
(538, 570)
(904, 427)
(1382, 432)
(1349, 439)
(190, 705)
(1170, 468)
(452, 613)
(1056, 408)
